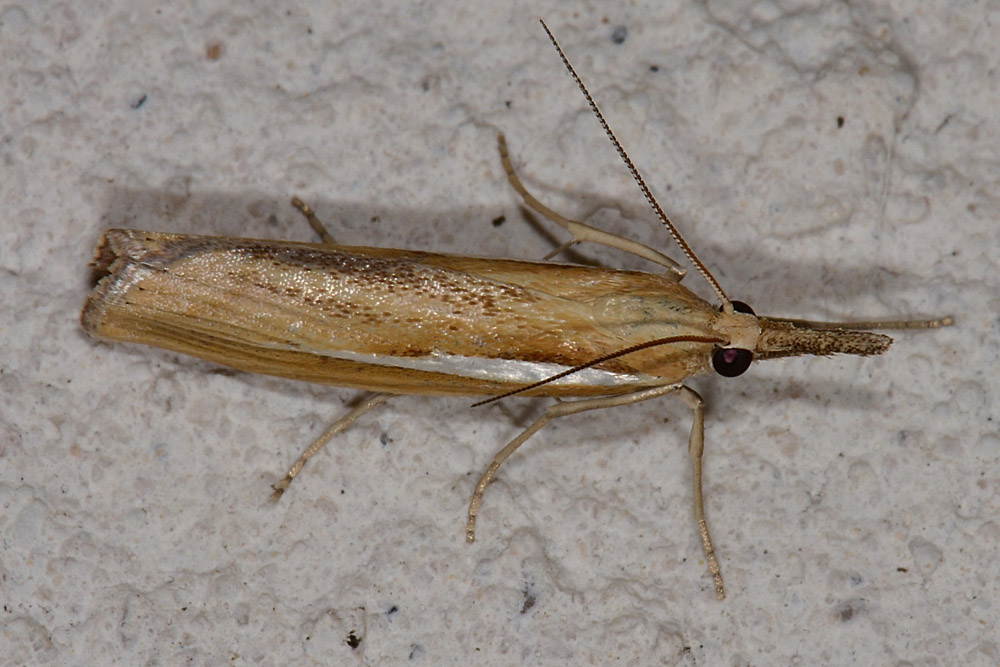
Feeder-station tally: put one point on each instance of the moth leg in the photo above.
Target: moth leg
(579, 230)
(313, 221)
(696, 447)
(336, 427)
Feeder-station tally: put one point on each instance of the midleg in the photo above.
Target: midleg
(579, 230)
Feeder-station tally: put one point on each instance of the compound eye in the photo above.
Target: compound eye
(741, 307)
(730, 361)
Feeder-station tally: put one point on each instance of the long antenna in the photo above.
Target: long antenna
(637, 177)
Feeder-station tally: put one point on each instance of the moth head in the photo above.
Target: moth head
(775, 338)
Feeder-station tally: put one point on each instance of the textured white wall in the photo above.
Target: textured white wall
(854, 502)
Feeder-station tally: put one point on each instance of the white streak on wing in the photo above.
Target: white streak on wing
(497, 370)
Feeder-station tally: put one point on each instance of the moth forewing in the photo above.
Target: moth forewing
(393, 320)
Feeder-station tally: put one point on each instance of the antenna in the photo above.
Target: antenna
(637, 177)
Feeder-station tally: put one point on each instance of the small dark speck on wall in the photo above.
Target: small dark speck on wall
(619, 34)
(528, 600)
(499, 220)
(849, 609)
(139, 102)
(840, 122)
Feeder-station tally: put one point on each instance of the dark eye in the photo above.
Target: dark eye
(741, 307)
(730, 362)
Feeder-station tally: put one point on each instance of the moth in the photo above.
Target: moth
(407, 322)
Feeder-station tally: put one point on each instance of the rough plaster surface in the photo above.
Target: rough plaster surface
(854, 503)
